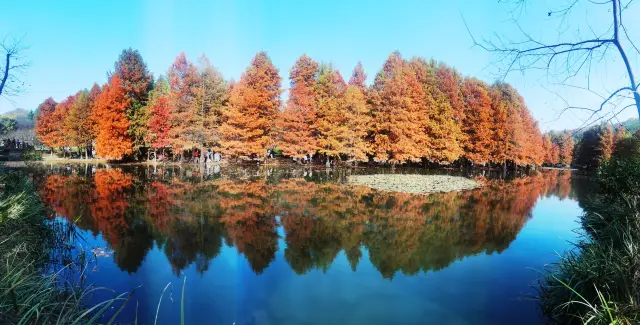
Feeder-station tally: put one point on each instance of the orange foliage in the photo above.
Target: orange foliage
(297, 122)
(402, 232)
(399, 116)
(45, 122)
(254, 103)
(478, 121)
(112, 141)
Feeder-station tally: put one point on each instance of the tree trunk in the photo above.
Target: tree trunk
(201, 156)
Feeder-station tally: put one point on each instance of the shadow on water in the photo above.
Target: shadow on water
(192, 214)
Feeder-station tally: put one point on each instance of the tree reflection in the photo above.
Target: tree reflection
(190, 218)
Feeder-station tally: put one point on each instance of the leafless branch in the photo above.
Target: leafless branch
(13, 67)
(530, 53)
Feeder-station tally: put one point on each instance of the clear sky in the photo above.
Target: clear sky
(74, 43)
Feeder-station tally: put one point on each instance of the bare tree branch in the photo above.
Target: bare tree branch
(13, 66)
(533, 54)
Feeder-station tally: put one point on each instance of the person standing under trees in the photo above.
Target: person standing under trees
(196, 156)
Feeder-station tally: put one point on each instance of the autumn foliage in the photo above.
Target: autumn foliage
(415, 111)
(191, 222)
(249, 124)
(112, 141)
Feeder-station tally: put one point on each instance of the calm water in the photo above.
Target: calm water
(295, 246)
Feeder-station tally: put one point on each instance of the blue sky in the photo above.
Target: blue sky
(74, 43)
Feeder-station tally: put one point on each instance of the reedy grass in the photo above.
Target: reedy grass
(41, 280)
(598, 281)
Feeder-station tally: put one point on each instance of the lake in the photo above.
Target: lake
(263, 245)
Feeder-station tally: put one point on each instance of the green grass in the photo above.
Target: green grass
(598, 281)
(41, 277)
(31, 155)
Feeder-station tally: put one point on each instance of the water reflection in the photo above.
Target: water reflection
(191, 214)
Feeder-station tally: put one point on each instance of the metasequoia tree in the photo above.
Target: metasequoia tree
(478, 122)
(574, 52)
(442, 130)
(249, 127)
(211, 100)
(159, 122)
(45, 123)
(399, 115)
(58, 136)
(78, 122)
(514, 132)
(620, 134)
(358, 77)
(358, 117)
(112, 141)
(136, 82)
(547, 147)
(331, 121)
(184, 81)
(297, 122)
(565, 145)
(500, 128)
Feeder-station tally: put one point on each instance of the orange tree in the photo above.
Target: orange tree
(113, 141)
(249, 126)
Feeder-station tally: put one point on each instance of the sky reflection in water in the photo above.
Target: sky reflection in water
(294, 246)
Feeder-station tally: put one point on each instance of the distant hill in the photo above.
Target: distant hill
(25, 131)
(632, 125)
(21, 116)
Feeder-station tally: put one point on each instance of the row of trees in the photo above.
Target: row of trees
(599, 143)
(415, 111)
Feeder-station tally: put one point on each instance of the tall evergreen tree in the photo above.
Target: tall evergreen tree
(565, 145)
(159, 122)
(331, 121)
(112, 141)
(79, 126)
(398, 112)
(358, 77)
(248, 130)
(44, 122)
(443, 133)
(478, 122)
(184, 83)
(137, 81)
(211, 101)
(297, 122)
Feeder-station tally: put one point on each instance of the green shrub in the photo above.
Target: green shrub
(598, 282)
(31, 155)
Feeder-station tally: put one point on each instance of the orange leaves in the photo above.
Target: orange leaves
(565, 145)
(112, 141)
(478, 121)
(183, 80)
(331, 121)
(159, 123)
(78, 122)
(297, 122)
(357, 124)
(399, 118)
(45, 123)
(416, 111)
(249, 127)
